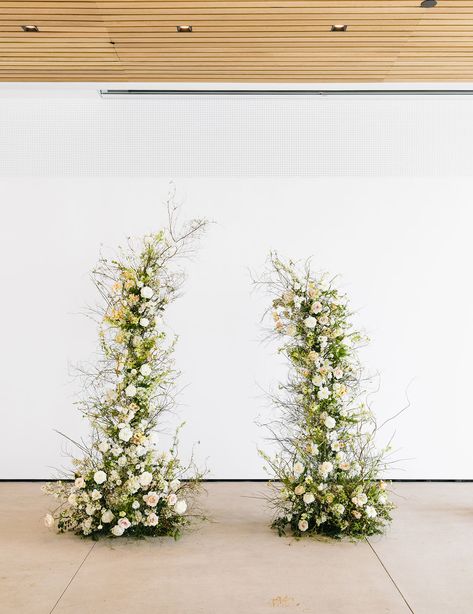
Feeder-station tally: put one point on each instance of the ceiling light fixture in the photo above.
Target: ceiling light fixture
(184, 28)
(30, 28)
(428, 4)
(339, 28)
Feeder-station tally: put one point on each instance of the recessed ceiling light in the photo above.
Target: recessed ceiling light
(428, 4)
(339, 27)
(184, 28)
(30, 28)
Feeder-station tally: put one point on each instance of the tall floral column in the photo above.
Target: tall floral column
(123, 485)
(327, 468)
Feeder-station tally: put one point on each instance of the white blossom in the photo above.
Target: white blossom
(100, 477)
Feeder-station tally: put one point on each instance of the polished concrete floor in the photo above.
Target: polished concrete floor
(234, 564)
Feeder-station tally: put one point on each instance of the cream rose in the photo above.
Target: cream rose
(151, 499)
(152, 520)
(308, 498)
(303, 525)
(107, 517)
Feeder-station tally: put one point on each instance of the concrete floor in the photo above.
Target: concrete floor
(235, 564)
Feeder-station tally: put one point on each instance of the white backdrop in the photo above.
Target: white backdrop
(403, 246)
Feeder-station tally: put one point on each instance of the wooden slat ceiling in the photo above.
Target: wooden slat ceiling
(236, 40)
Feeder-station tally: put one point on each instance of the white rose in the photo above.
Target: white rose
(117, 530)
(308, 498)
(180, 507)
(125, 434)
(330, 423)
(146, 292)
(103, 446)
(316, 307)
(382, 499)
(323, 393)
(130, 390)
(152, 520)
(95, 495)
(79, 482)
(298, 468)
(122, 461)
(370, 511)
(90, 510)
(100, 477)
(337, 372)
(310, 322)
(146, 478)
(49, 520)
(145, 370)
(303, 525)
(124, 523)
(107, 517)
(174, 485)
(299, 489)
(144, 322)
(338, 508)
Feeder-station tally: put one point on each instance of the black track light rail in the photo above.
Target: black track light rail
(267, 92)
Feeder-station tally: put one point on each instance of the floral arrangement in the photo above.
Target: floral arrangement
(327, 467)
(123, 485)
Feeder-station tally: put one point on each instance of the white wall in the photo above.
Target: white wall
(403, 248)
(370, 187)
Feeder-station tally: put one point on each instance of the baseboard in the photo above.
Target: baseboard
(449, 480)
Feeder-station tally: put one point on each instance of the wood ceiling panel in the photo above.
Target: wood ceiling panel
(236, 40)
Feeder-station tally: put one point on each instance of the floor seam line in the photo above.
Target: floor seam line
(389, 576)
(72, 579)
